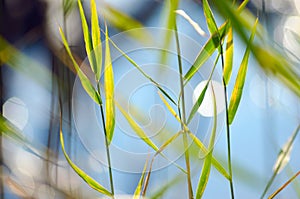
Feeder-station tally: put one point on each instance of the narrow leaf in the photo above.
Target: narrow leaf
(96, 41)
(90, 181)
(192, 22)
(138, 189)
(208, 160)
(228, 57)
(240, 80)
(86, 35)
(205, 53)
(68, 5)
(83, 78)
(137, 129)
(202, 95)
(209, 47)
(109, 91)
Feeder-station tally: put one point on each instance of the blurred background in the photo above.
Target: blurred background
(38, 75)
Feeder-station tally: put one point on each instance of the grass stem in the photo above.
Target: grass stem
(227, 128)
(107, 148)
(185, 141)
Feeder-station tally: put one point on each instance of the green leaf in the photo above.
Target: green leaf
(208, 159)
(90, 181)
(142, 72)
(83, 78)
(202, 95)
(205, 53)
(96, 41)
(240, 80)
(138, 189)
(137, 129)
(86, 35)
(68, 5)
(209, 48)
(228, 57)
(211, 23)
(109, 91)
(124, 22)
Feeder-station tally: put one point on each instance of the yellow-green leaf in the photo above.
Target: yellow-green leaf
(137, 129)
(228, 57)
(109, 91)
(208, 159)
(86, 35)
(83, 78)
(90, 181)
(96, 41)
(138, 189)
(240, 80)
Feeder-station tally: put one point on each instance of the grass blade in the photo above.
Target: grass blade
(83, 78)
(90, 181)
(208, 160)
(68, 5)
(209, 46)
(96, 41)
(137, 129)
(86, 35)
(205, 53)
(201, 96)
(109, 91)
(289, 145)
(228, 57)
(284, 186)
(240, 80)
(138, 189)
(212, 25)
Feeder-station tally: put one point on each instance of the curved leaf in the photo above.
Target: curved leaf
(83, 78)
(240, 80)
(90, 181)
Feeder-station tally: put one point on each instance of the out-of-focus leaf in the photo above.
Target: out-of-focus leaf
(83, 78)
(240, 80)
(208, 159)
(143, 72)
(284, 157)
(169, 14)
(284, 186)
(18, 61)
(68, 5)
(136, 128)
(109, 91)
(96, 41)
(9, 130)
(295, 35)
(90, 181)
(124, 22)
(285, 153)
(205, 53)
(201, 96)
(192, 22)
(86, 35)
(274, 63)
(228, 57)
(137, 192)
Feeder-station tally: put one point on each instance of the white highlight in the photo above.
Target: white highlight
(207, 108)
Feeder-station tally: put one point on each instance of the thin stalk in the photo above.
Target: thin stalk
(185, 141)
(1, 154)
(227, 129)
(107, 147)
